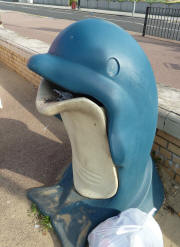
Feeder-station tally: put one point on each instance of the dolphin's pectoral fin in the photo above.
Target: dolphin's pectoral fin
(50, 199)
(76, 220)
(47, 199)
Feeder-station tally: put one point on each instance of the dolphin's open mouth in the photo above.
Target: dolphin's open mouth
(59, 94)
(53, 99)
(84, 118)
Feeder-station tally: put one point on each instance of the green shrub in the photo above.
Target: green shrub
(70, 2)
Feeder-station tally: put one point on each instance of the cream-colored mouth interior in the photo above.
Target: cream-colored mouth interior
(94, 172)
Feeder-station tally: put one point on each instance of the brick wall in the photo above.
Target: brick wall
(16, 58)
(166, 148)
(166, 151)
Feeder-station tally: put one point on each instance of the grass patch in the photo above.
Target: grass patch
(41, 221)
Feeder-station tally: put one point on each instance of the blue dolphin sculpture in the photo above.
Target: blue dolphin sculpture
(96, 59)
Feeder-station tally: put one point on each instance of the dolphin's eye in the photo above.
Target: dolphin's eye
(113, 67)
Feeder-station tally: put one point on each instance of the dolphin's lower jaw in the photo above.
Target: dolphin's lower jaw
(94, 172)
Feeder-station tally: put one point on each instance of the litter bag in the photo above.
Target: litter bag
(131, 228)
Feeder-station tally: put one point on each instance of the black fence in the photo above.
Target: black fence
(162, 22)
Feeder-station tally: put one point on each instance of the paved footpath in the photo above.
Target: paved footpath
(164, 55)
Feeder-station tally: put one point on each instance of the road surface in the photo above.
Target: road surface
(134, 24)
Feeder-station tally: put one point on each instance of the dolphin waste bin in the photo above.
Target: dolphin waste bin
(108, 104)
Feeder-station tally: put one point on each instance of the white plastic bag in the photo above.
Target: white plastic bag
(131, 228)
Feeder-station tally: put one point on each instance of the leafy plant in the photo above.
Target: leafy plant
(70, 2)
(43, 221)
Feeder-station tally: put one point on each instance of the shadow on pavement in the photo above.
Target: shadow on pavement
(39, 155)
(30, 154)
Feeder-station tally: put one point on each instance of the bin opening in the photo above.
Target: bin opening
(60, 94)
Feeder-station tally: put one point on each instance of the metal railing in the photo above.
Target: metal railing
(162, 22)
